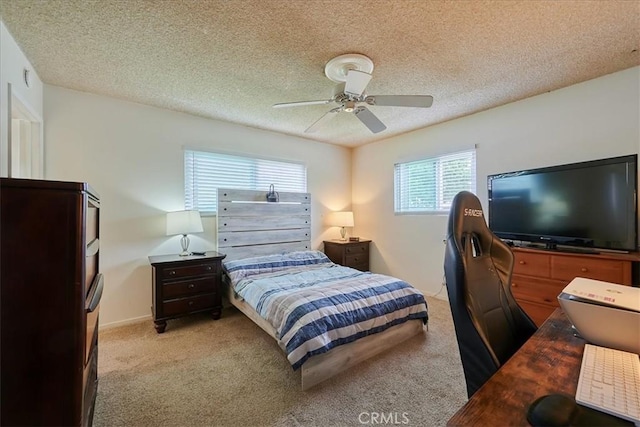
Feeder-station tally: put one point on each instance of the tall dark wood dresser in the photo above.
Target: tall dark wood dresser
(49, 302)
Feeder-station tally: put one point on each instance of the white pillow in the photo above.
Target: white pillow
(239, 269)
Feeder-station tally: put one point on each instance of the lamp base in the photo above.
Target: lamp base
(343, 234)
(184, 242)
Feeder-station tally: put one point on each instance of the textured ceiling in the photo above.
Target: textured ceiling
(231, 60)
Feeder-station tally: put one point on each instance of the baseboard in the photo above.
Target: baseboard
(118, 323)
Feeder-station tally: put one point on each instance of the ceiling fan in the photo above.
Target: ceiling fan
(353, 73)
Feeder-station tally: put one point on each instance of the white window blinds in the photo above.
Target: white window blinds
(205, 172)
(429, 185)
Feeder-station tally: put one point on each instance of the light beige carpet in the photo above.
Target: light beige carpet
(202, 372)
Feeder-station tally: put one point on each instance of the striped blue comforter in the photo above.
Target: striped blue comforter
(315, 306)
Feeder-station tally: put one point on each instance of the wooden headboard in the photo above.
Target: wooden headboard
(249, 226)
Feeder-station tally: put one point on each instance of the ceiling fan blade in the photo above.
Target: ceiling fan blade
(301, 103)
(356, 82)
(421, 101)
(322, 120)
(369, 119)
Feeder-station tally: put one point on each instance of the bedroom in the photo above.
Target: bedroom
(135, 157)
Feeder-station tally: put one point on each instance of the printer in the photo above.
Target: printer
(603, 313)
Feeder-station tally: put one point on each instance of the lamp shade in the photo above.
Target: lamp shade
(340, 219)
(183, 222)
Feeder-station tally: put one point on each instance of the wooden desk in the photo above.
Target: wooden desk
(549, 362)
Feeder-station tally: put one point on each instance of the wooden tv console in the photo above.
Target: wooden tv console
(540, 275)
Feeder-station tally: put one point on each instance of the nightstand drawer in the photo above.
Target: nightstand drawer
(188, 305)
(353, 260)
(188, 271)
(361, 266)
(362, 249)
(172, 290)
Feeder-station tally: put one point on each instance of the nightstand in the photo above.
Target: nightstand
(184, 285)
(349, 254)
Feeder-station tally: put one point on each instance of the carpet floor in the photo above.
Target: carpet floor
(229, 372)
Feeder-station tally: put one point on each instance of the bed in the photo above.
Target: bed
(326, 318)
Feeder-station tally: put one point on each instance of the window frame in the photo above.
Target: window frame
(259, 169)
(442, 206)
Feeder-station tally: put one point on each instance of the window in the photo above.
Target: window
(205, 172)
(429, 185)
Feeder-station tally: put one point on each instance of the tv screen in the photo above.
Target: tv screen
(588, 204)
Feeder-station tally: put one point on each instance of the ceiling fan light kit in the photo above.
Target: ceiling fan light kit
(353, 73)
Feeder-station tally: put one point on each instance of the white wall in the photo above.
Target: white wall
(12, 65)
(595, 119)
(132, 155)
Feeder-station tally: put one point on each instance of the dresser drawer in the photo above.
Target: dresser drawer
(172, 290)
(91, 334)
(90, 387)
(187, 305)
(92, 224)
(532, 264)
(537, 312)
(541, 291)
(188, 271)
(568, 268)
(90, 270)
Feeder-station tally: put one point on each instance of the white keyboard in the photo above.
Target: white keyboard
(609, 381)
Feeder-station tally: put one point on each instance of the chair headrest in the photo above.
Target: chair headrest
(466, 215)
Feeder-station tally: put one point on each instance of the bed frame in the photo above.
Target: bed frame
(248, 226)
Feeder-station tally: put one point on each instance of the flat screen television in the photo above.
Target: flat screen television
(580, 205)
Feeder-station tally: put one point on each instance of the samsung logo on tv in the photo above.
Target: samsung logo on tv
(472, 212)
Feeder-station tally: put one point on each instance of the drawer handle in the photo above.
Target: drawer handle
(355, 259)
(93, 248)
(522, 263)
(584, 269)
(191, 286)
(97, 293)
(172, 273)
(190, 303)
(514, 285)
(208, 266)
(362, 249)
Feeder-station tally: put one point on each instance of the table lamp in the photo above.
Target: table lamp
(184, 222)
(340, 219)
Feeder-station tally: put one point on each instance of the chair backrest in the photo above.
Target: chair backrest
(490, 326)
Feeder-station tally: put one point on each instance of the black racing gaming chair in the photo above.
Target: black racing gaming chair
(490, 325)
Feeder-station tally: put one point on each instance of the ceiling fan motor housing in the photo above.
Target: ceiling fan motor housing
(338, 68)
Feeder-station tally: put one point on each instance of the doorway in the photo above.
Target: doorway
(26, 154)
